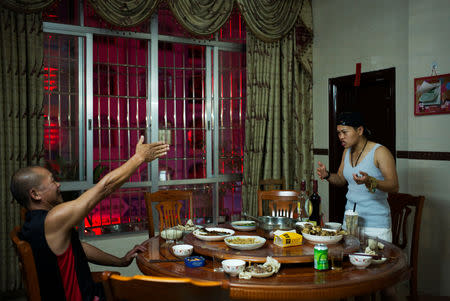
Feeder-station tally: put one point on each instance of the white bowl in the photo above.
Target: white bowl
(333, 225)
(360, 261)
(323, 239)
(244, 225)
(302, 224)
(258, 242)
(233, 266)
(171, 234)
(182, 250)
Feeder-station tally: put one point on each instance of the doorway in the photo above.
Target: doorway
(375, 99)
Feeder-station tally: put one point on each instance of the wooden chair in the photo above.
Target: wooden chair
(141, 287)
(401, 204)
(28, 267)
(168, 203)
(280, 202)
(272, 184)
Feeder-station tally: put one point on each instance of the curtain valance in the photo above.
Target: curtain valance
(26, 6)
(268, 20)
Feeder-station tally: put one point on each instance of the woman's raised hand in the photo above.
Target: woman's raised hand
(321, 171)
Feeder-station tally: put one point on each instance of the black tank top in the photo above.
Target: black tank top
(48, 270)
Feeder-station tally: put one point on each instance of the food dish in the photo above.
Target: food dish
(322, 239)
(194, 261)
(245, 242)
(303, 224)
(233, 266)
(171, 234)
(212, 234)
(188, 228)
(360, 261)
(333, 225)
(182, 250)
(244, 225)
(260, 271)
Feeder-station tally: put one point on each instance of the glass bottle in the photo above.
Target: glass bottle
(315, 200)
(302, 200)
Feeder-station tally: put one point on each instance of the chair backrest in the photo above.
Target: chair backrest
(140, 287)
(27, 265)
(401, 204)
(168, 203)
(272, 184)
(280, 202)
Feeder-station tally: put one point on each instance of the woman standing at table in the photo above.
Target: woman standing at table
(369, 170)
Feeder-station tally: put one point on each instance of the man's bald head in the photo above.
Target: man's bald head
(23, 181)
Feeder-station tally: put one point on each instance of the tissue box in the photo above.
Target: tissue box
(288, 239)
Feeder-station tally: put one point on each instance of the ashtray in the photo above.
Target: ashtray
(194, 261)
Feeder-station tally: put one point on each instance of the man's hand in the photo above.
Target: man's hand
(128, 258)
(151, 151)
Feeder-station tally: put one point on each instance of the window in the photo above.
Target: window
(99, 101)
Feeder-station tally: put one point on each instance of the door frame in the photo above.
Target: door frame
(335, 210)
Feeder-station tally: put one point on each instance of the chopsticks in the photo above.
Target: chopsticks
(368, 255)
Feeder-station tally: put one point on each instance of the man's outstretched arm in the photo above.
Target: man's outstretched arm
(63, 217)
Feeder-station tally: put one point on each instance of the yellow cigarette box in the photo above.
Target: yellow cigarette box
(288, 239)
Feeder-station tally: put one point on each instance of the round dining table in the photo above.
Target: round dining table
(296, 279)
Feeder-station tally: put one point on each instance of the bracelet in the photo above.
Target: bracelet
(372, 185)
(328, 176)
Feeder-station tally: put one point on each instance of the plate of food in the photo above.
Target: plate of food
(245, 242)
(244, 225)
(317, 234)
(212, 234)
(188, 228)
(260, 270)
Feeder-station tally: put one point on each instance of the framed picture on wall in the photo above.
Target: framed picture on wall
(432, 95)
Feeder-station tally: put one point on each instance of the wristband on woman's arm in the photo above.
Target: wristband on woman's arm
(372, 185)
(328, 175)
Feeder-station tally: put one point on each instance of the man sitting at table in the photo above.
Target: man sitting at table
(61, 258)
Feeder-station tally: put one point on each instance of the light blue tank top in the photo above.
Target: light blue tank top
(373, 208)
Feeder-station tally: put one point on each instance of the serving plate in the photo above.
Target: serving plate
(322, 239)
(197, 233)
(244, 225)
(250, 246)
(260, 275)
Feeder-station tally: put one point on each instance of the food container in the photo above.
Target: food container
(244, 225)
(360, 261)
(288, 239)
(171, 234)
(233, 266)
(267, 225)
(333, 225)
(194, 261)
(182, 250)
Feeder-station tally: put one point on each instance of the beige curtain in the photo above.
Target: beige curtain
(21, 136)
(201, 17)
(278, 129)
(270, 20)
(125, 12)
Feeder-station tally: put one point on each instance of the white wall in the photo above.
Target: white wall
(407, 35)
